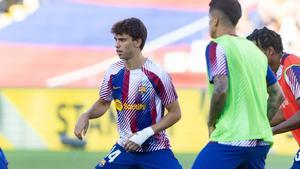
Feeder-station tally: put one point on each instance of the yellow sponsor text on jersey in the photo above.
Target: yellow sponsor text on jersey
(119, 106)
(127, 106)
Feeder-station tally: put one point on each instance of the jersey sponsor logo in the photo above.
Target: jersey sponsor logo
(134, 106)
(119, 106)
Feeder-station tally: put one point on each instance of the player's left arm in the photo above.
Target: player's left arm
(288, 125)
(168, 96)
(173, 115)
(277, 119)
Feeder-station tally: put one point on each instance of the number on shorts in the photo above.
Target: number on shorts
(113, 154)
(297, 157)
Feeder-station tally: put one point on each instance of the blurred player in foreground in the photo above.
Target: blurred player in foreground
(240, 81)
(141, 91)
(287, 68)
(3, 161)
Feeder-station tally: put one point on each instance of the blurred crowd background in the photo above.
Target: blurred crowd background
(54, 53)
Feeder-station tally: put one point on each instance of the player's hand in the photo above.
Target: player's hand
(81, 126)
(138, 138)
(131, 146)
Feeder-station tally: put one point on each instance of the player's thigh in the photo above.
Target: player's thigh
(218, 156)
(258, 157)
(117, 158)
(3, 161)
(296, 164)
(161, 159)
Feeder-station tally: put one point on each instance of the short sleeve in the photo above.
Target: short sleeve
(271, 78)
(216, 61)
(292, 77)
(106, 86)
(169, 94)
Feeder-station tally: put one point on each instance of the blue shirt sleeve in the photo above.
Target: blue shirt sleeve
(271, 78)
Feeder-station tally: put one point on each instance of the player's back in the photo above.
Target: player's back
(246, 102)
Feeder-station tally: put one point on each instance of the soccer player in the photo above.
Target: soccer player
(239, 81)
(3, 161)
(141, 91)
(287, 68)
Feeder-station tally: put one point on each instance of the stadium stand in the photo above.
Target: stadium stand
(74, 37)
(82, 42)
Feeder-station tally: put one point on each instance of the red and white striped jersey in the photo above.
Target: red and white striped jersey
(140, 96)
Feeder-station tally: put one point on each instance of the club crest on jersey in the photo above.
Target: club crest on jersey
(142, 89)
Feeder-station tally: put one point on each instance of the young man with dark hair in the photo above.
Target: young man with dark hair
(141, 91)
(287, 68)
(239, 82)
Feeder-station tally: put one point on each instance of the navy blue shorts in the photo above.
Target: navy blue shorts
(296, 164)
(3, 161)
(118, 158)
(219, 156)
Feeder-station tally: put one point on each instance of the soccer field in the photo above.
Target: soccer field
(87, 160)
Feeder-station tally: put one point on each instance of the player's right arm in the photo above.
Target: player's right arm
(275, 94)
(275, 99)
(96, 111)
(99, 107)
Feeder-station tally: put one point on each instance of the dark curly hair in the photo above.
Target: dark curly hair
(265, 38)
(231, 8)
(133, 27)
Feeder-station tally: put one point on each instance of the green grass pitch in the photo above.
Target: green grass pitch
(25, 159)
